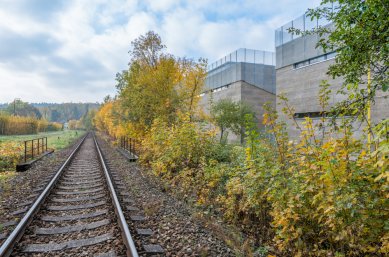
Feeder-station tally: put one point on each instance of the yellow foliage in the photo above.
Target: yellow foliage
(19, 125)
(333, 199)
(314, 197)
(10, 155)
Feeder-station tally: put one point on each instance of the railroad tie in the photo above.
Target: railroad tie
(80, 211)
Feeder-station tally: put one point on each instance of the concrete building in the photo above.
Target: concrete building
(300, 68)
(244, 75)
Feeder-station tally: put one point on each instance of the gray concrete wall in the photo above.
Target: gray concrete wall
(259, 75)
(256, 98)
(297, 50)
(380, 109)
(233, 92)
(301, 87)
(240, 91)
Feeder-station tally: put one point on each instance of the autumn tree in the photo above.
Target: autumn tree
(359, 33)
(150, 93)
(20, 108)
(191, 84)
(360, 37)
(87, 119)
(147, 49)
(229, 115)
(158, 84)
(103, 118)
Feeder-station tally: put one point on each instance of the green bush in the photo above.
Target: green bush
(220, 152)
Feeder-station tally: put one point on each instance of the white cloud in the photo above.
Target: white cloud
(161, 5)
(180, 31)
(71, 50)
(20, 84)
(18, 23)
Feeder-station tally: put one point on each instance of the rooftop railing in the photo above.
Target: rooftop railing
(302, 23)
(247, 56)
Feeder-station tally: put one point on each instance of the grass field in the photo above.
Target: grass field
(56, 140)
(11, 147)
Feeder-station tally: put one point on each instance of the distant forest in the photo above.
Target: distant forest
(53, 112)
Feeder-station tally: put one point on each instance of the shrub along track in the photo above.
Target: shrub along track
(77, 214)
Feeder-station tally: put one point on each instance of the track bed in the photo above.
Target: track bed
(77, 214)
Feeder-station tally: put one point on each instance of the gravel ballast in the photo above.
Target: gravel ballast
(23, 188)
(173, 226)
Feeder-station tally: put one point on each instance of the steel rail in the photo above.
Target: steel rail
(7, 247)
(129, 242)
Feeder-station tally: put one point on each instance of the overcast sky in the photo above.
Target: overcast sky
(70, 50)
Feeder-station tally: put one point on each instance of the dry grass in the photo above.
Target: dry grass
(4, 178)
(152, 208)
(228, 233)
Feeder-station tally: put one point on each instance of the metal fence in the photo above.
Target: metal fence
(244, 55)
(129, 144)
(34, 148)
(303, 23)
(253, 66)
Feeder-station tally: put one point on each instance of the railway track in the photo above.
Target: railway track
(77, 214)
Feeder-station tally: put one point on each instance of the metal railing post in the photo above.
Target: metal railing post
(25, 151)
(32, 149)
(38, 146)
